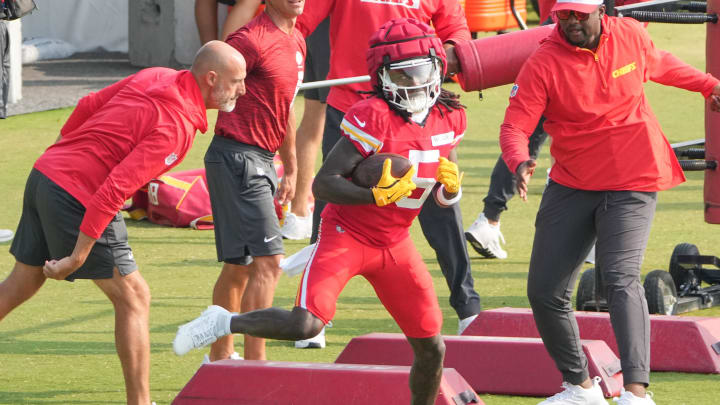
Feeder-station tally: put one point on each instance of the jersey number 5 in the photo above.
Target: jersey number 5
(425, 184)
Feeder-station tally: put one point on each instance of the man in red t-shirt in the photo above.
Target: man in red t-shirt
(115, 141)
(240, 171)
(610, 160)
(368, 228)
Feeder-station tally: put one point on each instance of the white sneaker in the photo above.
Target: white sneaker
(464, 323)
(628, 398)
(207, 328)
(296, 227)
(577, 395)
(317, 342)
(6, 235)
(233, 356)
(485, 238)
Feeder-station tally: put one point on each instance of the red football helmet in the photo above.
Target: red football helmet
(407, 62)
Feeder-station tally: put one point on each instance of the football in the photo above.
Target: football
(368, 172)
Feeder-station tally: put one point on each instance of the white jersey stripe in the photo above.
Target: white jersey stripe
(458, 138)
(368, 142)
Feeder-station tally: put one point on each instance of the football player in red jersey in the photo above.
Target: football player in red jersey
(367, 228)
(351, 24)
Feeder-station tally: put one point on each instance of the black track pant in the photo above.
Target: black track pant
(567, 224)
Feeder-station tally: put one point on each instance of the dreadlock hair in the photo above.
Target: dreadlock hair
(449, 100)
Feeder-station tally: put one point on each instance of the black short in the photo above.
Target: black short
(317, 61)
(242, 181)
(50, 225)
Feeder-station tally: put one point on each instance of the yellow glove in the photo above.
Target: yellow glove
(447, 174)
(390, 189)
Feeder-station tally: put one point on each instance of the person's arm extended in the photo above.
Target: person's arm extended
(450, 23)
(206, 20)
(666, 68)
(313, 14)
(451, 27)
(669, 70)
(60, 269)
(453, 64)
(287, 152)
(331, 182)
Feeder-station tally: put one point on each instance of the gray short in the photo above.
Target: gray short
(242, 181)
(50, 225)
(317, 61)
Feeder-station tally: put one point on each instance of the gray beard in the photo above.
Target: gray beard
(228, 106)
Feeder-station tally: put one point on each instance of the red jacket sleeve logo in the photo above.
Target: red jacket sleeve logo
(170, 159)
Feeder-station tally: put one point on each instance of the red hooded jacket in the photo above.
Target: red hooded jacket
(604, 134)
(123, 136)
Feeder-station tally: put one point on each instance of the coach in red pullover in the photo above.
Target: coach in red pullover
(611, 158)
(115, 141)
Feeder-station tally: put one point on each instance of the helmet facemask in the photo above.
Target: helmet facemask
(412, 85)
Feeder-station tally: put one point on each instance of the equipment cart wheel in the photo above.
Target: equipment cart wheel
(684, 279)
(586, 291)
(660, 292)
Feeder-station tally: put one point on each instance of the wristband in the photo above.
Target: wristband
(440, 196)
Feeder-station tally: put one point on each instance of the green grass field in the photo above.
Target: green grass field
(58, 348)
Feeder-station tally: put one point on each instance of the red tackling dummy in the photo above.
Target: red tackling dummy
(281, 382)
(712, 121)
(495, 61)
(491, 364)
(688, 344)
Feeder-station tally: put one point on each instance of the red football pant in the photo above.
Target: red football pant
(398, 275)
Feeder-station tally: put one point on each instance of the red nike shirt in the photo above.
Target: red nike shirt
(275, 67)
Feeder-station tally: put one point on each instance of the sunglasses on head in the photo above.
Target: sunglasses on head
(565, 14)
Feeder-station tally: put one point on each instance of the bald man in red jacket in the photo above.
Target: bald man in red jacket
(115, 141)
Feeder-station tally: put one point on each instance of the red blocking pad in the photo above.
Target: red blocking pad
(711, 191)
(276, 382)
(677, 343)
(496, 365)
